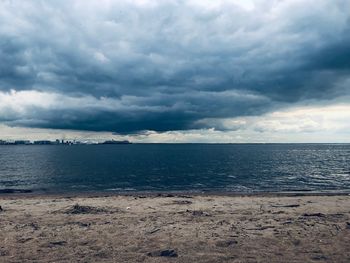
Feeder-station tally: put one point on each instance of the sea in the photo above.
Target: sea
(234, 168)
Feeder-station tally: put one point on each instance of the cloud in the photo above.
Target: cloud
(129, 66)
(159, 112)
(304, 119)
(319, 123)
(327, 123)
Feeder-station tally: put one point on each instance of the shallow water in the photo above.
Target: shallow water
(176, 167)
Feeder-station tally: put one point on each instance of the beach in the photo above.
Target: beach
(175, 228)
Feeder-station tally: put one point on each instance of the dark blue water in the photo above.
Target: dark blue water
(176, 167)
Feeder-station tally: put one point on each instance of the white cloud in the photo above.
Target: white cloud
(100, 57)
(313, 119)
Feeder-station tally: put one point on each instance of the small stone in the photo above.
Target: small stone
(319, 257)
(57, 243)
(296, 242)
(163, 253)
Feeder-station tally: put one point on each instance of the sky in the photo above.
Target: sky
(176, 70)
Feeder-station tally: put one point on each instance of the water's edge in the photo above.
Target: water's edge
(22, 193)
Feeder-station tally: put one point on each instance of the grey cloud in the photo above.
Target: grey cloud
(160, 112)
(181, 62)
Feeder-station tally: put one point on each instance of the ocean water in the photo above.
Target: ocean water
(176, 167)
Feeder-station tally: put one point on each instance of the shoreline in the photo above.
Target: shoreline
(21, 193)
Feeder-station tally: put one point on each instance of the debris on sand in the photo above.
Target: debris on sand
(226, 243)
(24, 239)
(1, 209)
(165, 195)
(198, 213)
(153, 231)
(30, 225)
(163, 253)
(314, 214)
(57, 243)
(81, 224)
(84, 209)
(286, 206)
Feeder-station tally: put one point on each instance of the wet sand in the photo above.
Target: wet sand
(175, 228)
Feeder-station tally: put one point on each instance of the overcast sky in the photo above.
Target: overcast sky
(176, 71)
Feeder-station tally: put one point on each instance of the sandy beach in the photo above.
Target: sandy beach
(175, 228)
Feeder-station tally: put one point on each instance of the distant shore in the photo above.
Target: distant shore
(175, 227)
(60, 142)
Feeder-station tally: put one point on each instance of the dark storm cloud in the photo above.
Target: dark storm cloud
(167, 65)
